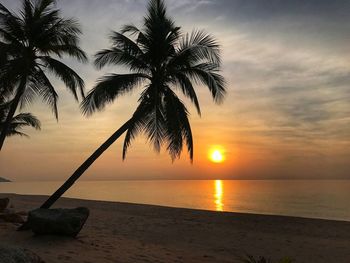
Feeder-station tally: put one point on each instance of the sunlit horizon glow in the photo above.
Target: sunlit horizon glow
(286, 114)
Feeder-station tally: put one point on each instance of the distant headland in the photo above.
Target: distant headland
(4, 180)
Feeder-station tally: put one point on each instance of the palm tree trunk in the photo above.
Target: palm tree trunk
(13, 108)
(76, 175)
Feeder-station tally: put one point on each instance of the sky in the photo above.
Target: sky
(286, 114)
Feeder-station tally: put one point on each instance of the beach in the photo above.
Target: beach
(123, 232)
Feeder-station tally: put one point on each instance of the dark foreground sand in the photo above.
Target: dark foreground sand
(120, 232)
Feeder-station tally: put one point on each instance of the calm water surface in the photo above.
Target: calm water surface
(314, 199)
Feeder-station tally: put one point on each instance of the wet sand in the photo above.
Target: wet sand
(129, 233)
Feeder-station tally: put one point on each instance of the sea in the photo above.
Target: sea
(325, 199)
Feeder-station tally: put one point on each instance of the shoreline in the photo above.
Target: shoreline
(324, 200)
(175, 207)
(125, 232)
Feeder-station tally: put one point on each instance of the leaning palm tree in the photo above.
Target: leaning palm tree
(29, 43)
(18, 121)
(162, 60)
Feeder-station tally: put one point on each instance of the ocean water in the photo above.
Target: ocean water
(327, 199)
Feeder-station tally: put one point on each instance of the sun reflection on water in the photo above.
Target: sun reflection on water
(219, 192)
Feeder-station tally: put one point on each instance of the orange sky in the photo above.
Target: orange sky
(286, 115)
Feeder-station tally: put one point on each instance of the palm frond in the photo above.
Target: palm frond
(69, 50)
(12, 132)
(154, 119)
(41, 5)
(17, 122)
(10, 74)
(137, 124)
(27, 119)
(157, 29)
(156, 9)
(4, 106)
(4, 11)
(195, 49)
(27, 11)
(187, 89)
(108, 88)
(41, 85)
(178, 126)
(206, 74)
(199, 46)
(28, 96)
(173, 36)
(126, 44)
(155, 127)
(131, 29)
(71, 79)
(141, 39)
(117, 56)
(11, 26)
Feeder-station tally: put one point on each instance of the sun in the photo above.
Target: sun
(216, 156)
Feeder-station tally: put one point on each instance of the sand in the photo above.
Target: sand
(121, 232)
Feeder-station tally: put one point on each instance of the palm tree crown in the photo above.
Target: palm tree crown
(162, 60)
(29, 43)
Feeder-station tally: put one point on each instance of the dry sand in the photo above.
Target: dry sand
(120, 232)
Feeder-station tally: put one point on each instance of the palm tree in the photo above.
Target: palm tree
(29, 43)
(161, 60)
(19, 121)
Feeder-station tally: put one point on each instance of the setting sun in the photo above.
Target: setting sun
(216, 156)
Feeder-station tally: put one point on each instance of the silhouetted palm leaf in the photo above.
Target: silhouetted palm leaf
(19, 121)
(108, 88)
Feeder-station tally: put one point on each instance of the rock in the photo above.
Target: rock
(12, 218)
(66, 222)
(22, 213)
(8, 211)
(18, 255)
(4, 180)
(4, 203)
